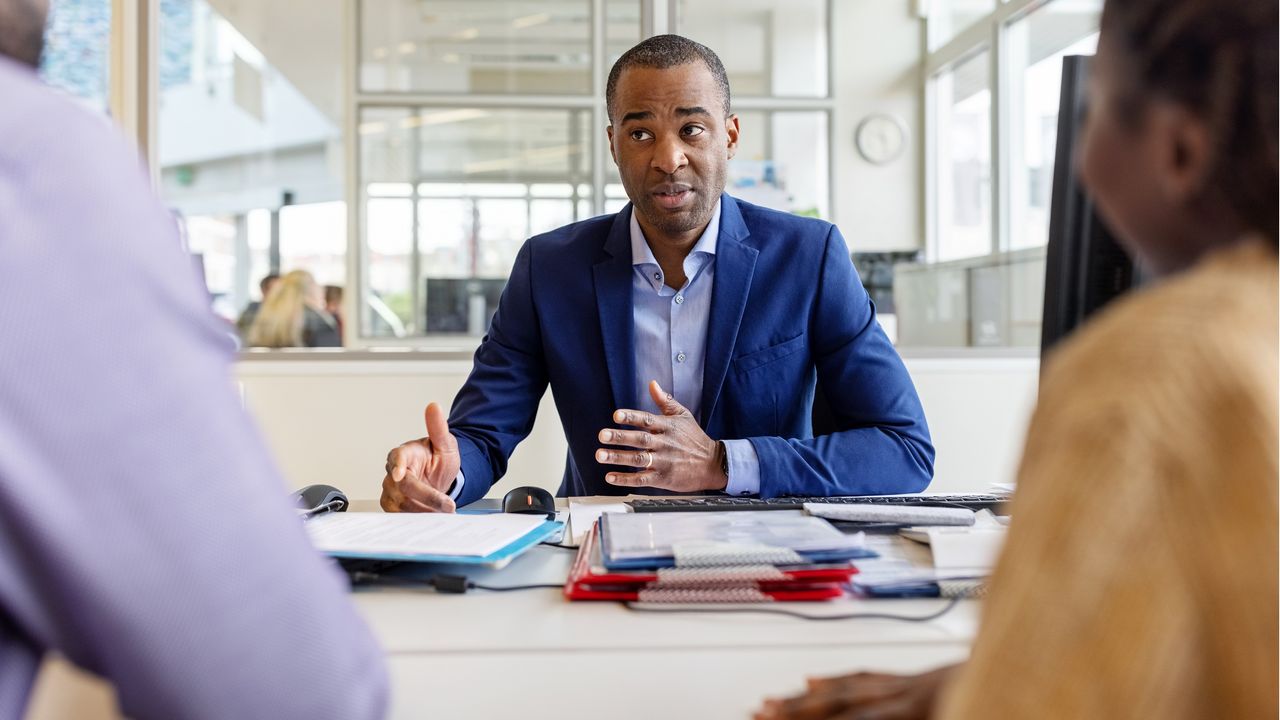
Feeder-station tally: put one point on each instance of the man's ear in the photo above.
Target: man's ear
(612, 150)
(731, 129)
(1185, 152)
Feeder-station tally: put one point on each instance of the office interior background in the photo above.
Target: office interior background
(404, 149)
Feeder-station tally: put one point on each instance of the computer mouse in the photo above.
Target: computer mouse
(316, 499)
(529, 500)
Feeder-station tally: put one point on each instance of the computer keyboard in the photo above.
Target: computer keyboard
(688, 504)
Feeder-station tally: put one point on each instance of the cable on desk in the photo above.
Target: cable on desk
(803, 616)
(453, 584)
(508, 588)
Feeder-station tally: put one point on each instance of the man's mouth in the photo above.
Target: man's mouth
(672, 196)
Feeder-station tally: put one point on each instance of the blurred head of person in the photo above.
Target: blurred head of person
(333, 299)
(22, 29)
(268, 282)
(1180, 148)
(280, 321)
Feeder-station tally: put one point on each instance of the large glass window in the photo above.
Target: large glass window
(948, 18)
(621, 29)
(773, 49)
(990, 236)
(76, 44)
(452, 193)
(769, 48)
(449, 191)
(1036, 45)
(464, 46)
(783, 161)
(962, 171)
(250, 140)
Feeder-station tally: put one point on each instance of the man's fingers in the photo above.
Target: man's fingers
(442, 440)
(628, 438)
(642, 459)
(640, 479)
(665, 400)
(392, 498)
(407, 459)
(412, 505)
(421, 497)
(639, 418)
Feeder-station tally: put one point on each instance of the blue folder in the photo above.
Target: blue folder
(495, 559)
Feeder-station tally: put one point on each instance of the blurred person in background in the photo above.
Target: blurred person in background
(333, 304)
(294, 315)
(251, 310)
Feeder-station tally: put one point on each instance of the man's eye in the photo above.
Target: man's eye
(693, 130)
(640, 135)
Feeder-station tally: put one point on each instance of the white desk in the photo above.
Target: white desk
(532, 654)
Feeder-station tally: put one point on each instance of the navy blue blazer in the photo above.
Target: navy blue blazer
(787, 310)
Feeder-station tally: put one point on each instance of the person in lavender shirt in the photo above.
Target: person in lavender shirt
(144, 530)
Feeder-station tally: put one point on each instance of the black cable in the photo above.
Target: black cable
(803, 616)
(558, 545)
(454, 584)
(508, 588)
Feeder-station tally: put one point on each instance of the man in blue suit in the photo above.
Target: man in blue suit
(682, 337)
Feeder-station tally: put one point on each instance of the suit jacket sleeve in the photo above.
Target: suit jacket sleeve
(496, 407)
(883, 444)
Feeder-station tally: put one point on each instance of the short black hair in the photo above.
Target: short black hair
(662, 52)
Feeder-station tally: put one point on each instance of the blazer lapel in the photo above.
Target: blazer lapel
(612, 275)
(735, 265)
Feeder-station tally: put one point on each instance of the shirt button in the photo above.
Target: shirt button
(679, 299)
(657, 276)
(680, 357)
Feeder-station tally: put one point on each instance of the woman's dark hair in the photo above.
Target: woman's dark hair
(1218, 58)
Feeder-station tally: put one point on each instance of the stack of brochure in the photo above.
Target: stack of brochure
(492, 540)
(739, 556)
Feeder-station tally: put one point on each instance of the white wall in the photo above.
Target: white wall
(876, 51)
(333, 421)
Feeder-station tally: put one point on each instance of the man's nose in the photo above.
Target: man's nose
(668, 155)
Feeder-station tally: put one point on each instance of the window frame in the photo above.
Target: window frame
(990, 33)
(656, 17)
(134, 91)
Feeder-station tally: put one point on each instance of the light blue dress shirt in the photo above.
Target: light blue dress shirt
(671, 338)
(671, 341)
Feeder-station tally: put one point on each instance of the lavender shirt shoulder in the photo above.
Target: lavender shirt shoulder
(144, 532)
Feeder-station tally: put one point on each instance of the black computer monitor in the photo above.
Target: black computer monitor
(1085, 268)
(461, 305)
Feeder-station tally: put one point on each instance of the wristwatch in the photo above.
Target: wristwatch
(723, 452)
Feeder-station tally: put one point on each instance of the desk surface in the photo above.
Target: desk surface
(533, 654)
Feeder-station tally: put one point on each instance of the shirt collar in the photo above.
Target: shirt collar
(642, 254)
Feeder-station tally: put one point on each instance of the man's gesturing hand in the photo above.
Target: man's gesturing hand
(420, 472)
(670, 450)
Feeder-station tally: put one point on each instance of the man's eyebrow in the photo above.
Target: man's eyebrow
(638, 115)
(695, 110)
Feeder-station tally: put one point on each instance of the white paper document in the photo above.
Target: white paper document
(419, 533)
(645, 535)
(976, 547)
(584, 513)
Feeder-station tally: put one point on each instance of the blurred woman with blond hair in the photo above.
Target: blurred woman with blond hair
(293, 315)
